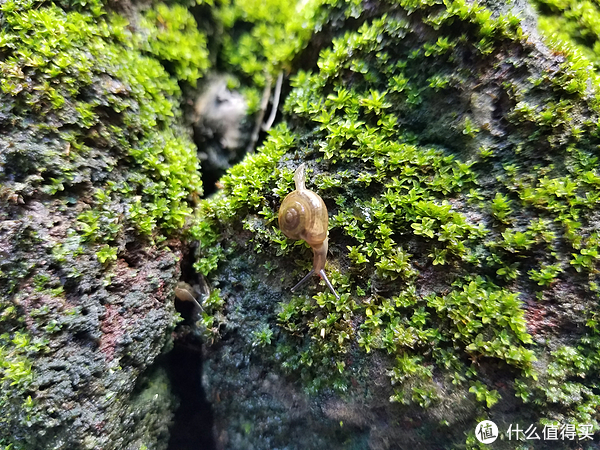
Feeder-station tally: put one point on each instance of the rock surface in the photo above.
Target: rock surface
(97, 178)
(457, 155)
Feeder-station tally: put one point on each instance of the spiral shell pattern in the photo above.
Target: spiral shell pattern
(303, 215)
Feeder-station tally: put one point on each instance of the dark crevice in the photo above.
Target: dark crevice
(188, 273)
(193, 423)
(222, 159)
(192, 428)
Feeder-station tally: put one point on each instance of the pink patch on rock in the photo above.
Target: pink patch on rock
(112, 329)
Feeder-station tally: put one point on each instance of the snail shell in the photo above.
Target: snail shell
(303, 215)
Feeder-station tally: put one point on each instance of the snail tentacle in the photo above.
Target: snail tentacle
(299, 178)
(328, 283)
(303, 280)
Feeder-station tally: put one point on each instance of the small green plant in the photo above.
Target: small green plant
(356, 256)
(425, 228)
(375, 102)
(486, 152)
(585, 259)
(106, 253)
(483, 394)
(516, 241)
(469, 127)
(53, 327)
(262, 337)
(40, 281)
(501, 209)
(509, 271)
(546, 275)
(397, 264)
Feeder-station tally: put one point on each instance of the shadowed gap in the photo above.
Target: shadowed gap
(192, 429)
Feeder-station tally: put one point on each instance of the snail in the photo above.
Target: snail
(303, 215)
(185, 293)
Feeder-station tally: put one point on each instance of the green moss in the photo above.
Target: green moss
(417, 191)
(61, 53)
(173, 37)
(18, 350)
(574, 22)
(561, 387)
(92, 108)
(261, 38)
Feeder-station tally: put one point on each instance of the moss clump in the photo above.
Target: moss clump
(94, 141)
(261, 39)
(460, 181)
(88, 79)
(574, 22)
(173, 37)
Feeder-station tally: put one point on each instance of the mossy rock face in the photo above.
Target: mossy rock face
(574, 22)
(457, 156)
(97, 177)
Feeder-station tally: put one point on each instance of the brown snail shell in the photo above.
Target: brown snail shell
(303, 215)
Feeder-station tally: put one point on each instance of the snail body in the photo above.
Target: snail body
(303, 215)
(185, 293)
